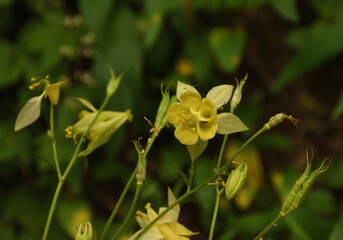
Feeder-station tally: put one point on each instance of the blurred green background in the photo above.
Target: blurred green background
(292, 51)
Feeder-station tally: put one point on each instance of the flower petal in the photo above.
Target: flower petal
(196, 150)
(207, 130)
(186, 135)
(220, 95)
(229, 123)
(182, 230)
(87, 104)
(53, 92)
(183, 87)
(192, 100)
(174, 112)
(208, 111)
(168, 232)
(153, 233)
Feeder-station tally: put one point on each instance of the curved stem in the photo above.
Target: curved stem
(191, 174)
(121, 198)
(69, 167)
(215, 212)
(187, 194)
(128, 216)
(54, 148)
(258, 237)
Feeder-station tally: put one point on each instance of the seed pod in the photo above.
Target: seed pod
(163, 107)
(297, 186)
(306, 186)
(236, 181)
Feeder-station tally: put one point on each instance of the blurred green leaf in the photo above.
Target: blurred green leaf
(320, 202)
(4, 3)
(287, 9)
(339, 107)
(337, 232)
(96, 13)
(333, 178)
(328, 8)
(171, 159)
(227, 46)
(324, 46)
(9, 66)
(274, 141)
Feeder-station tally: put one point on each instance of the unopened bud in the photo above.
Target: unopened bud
(113, 84)
(84, 231)
(278, 118)
(237, 94)
(236, 181)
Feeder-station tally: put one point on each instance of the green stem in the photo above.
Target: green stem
(121, 198)
(54, 148)
(69, 167)
(187, 194)
(128, 216)
(191, 175)
(268, 227)
(215, 212)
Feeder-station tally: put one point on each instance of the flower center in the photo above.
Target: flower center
(187, 119)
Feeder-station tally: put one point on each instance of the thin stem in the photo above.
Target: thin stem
(191, 175)
(69, 167)
(258, 237)
(187, 194)
(52, 209)
(128, 216)
(121, 198)
(215, 212)
(54, 148)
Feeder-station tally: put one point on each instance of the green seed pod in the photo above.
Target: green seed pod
(306, 186)
(236, 181)
(297, 186)
(172, 100)
(163, 107)
(84, 231)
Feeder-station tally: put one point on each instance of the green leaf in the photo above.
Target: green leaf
(337, 232)
(9, 65)
(339, 107)
(287, 9)
(324, 46)
(96, 13)
(29, 113)
(227, 47)
(4, 3)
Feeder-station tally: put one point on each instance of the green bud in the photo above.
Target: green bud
(113, 84)
(236, 181)
(141, 164)
(237, 94)
(84, 231)
(162, 116)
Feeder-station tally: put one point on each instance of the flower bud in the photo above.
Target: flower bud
(236, 181)
(237, 95)
(84, 231)
(141, 164)
(278, 118)
(113, 84)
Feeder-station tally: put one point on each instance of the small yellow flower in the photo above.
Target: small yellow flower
(196, 119)
(166, 228)
(53, 92)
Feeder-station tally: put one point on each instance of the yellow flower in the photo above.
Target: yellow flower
(53, 92)
(196, 119)
(166, 228)
(103, 128)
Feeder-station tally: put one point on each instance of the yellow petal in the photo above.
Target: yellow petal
(183, 87)
(186, 135)
(229, 123)
(196, 150)
(191, 99)
(174, 112)
(207, 130)
(208, 111)
(182, 230)
(53, 92)
(220, 95)
(167, 232)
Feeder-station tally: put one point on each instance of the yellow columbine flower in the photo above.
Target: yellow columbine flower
(166, 228)
(103, 128)
(196, 119)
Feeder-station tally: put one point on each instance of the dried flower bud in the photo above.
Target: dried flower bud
(236, 181)
(141, 164)
(84, 231)
(278, 118)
